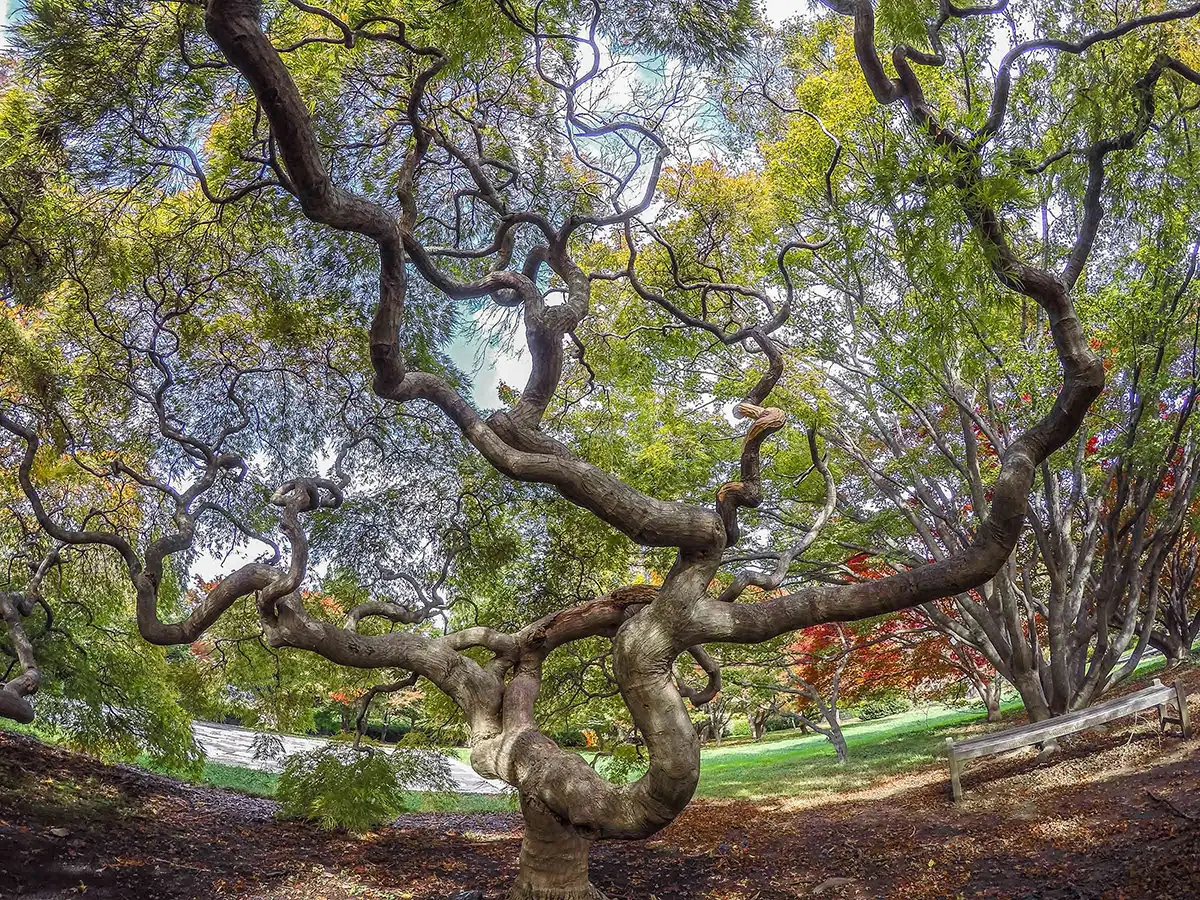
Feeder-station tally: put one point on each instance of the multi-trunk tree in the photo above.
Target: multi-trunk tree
(244, 376)
(1102, 572)
(923, 415)
(1177, 625)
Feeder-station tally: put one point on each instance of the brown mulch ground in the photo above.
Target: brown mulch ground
(1115, 814)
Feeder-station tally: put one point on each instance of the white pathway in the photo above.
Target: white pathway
(232, 746)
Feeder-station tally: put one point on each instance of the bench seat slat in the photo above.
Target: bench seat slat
(1037, 732)
(1156, 696)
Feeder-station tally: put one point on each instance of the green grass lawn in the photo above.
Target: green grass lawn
(237, 778)
(787, 764)
(783, 764)
(790, 765)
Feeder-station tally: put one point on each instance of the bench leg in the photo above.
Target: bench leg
(1184, 720)
(1162, 718)
(955, 772)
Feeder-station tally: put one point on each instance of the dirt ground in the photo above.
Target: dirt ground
(1115, 814)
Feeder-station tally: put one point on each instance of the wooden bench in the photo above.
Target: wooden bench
(1158, 695)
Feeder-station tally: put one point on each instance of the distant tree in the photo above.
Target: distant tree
(944, 663)
(1176, 624)
(830, 667)
(814, 669)
(1085, 584)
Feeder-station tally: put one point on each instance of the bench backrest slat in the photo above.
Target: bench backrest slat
(1037, 732)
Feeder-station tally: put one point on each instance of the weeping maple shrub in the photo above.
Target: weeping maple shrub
(360, 788)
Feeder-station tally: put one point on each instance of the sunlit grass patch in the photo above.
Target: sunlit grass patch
(792, 765)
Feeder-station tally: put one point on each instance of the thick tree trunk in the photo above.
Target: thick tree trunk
(1174, 651)
(554, 859)
(1038, 708)
(1029, 686)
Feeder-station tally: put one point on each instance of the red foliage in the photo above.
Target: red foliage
(895, 653)
(863, 568)
(985, 446)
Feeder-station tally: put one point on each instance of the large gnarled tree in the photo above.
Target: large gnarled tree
(439, 189)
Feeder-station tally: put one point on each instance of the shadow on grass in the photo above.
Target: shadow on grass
(806, 765)
(791, 765)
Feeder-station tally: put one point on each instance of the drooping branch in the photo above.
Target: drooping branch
(1083, 379)
(766, 421)
(364, 702)
(15, 694)
(771, 580)
(712, 670)
(14, 606)
(235, 26)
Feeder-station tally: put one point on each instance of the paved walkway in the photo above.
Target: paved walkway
(232, 746)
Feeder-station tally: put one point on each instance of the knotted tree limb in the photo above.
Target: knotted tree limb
(14, 607)
(236, 28)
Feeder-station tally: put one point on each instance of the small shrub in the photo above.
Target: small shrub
(338, 786)
(886, 705)
(569, 737)
(390, 733)
(780, 723)
(326, 721)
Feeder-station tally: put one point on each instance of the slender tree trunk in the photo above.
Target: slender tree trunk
(717, 720)
(838, 740)
(991, 699)
(554, 859)
(758, 725)
(832, 729)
